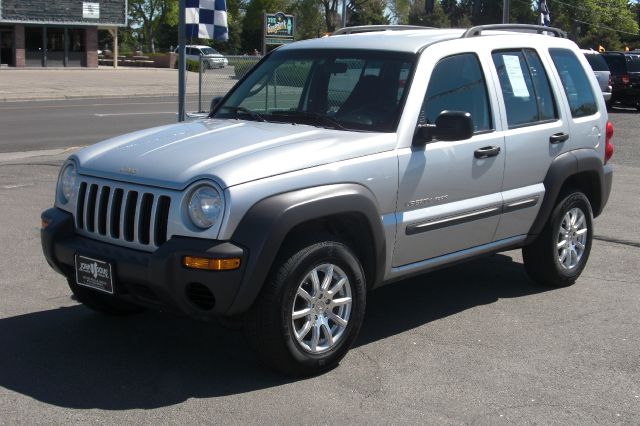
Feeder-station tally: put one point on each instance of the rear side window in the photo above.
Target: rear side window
(525, 87)
(596, 61)
(616, 63)
(457, 84)
(575, 83)
(633, 63)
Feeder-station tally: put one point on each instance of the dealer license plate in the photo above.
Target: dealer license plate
(94, 273)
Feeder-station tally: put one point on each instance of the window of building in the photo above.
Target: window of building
(458, 84)
(76, 39)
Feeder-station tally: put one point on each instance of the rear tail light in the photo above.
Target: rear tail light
(624, 78)
(608, 147)
(610, 81)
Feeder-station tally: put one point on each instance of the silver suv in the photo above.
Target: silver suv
(336, 166)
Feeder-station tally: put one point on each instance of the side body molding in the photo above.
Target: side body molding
(563, 167)
(265, 226)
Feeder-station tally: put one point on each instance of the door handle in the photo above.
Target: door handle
(558, 137)
(486, 152)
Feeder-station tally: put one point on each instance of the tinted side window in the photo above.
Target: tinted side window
(575, 82)
(457, 84)
(525, 87)
(633, 63)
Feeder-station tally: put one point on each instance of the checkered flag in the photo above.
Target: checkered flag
(206, 19)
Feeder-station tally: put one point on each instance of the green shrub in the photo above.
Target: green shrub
(241, 66)
(193, 66)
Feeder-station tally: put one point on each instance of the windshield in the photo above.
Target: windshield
(339, 89)
(597, 62)
(208, 51)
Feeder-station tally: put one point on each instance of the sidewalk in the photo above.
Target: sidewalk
(43, 84)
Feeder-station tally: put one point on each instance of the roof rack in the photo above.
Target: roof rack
(477, 31)
(372, 28)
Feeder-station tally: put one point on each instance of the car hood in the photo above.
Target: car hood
(230, 152)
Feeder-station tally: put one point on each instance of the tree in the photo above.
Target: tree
(592, 22)
(150, 15)
(252, 24)
(419, 16)
(400, 10)
(309, 21)
(332, 18)
(366, 12)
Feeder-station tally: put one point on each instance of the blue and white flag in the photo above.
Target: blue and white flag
(545, 16)
(206, 19)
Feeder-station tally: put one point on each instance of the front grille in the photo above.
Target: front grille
(129, 216)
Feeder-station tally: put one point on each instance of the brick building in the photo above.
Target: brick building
(56, 33)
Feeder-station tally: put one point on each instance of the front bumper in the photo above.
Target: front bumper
(158, 279)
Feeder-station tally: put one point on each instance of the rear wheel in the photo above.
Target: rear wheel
(560, 253)
(310, 311)
(103, 303)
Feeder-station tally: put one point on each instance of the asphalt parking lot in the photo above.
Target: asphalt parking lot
(478, 343)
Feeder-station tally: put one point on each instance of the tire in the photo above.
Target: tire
(102, 303)
(551, 265)
(290, 345)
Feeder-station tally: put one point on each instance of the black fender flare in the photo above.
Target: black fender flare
(563, 167)
(266, 224)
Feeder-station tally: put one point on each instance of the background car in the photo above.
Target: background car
(601, 70)
(211, 57)
(625, 77)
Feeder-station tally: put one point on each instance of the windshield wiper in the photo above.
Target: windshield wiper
(319, 118)
(253, 114)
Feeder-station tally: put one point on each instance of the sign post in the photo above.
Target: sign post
(182, 36)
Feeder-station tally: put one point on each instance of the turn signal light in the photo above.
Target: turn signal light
(45, 223)
(211, 264)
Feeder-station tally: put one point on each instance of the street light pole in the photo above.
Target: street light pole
(344, 13)
(505, 11)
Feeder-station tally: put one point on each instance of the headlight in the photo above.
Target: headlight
(67, 183)
(205, 206)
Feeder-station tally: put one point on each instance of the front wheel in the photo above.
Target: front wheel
(560, 253)
(310, 311)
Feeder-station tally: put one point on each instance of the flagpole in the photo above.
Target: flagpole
(181, 62)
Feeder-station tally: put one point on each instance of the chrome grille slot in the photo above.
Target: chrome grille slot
(116, 206)
(90, 208)
(80, 205)
(102, 210)
(130, 215)
(162, 219)
(136, 218)
(144, 219)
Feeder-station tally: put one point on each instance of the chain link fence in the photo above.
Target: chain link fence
(216, 76)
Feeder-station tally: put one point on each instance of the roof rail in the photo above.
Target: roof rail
(477, 31)
(372, 28)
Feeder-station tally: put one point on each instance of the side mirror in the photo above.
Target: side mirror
(449, 126)
(214, 103)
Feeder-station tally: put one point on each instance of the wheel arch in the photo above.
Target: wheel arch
(580, 169)
(348, 211)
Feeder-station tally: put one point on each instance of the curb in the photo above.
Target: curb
(106, 96)
(7, 157)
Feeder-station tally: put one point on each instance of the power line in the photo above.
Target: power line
(585, 22)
